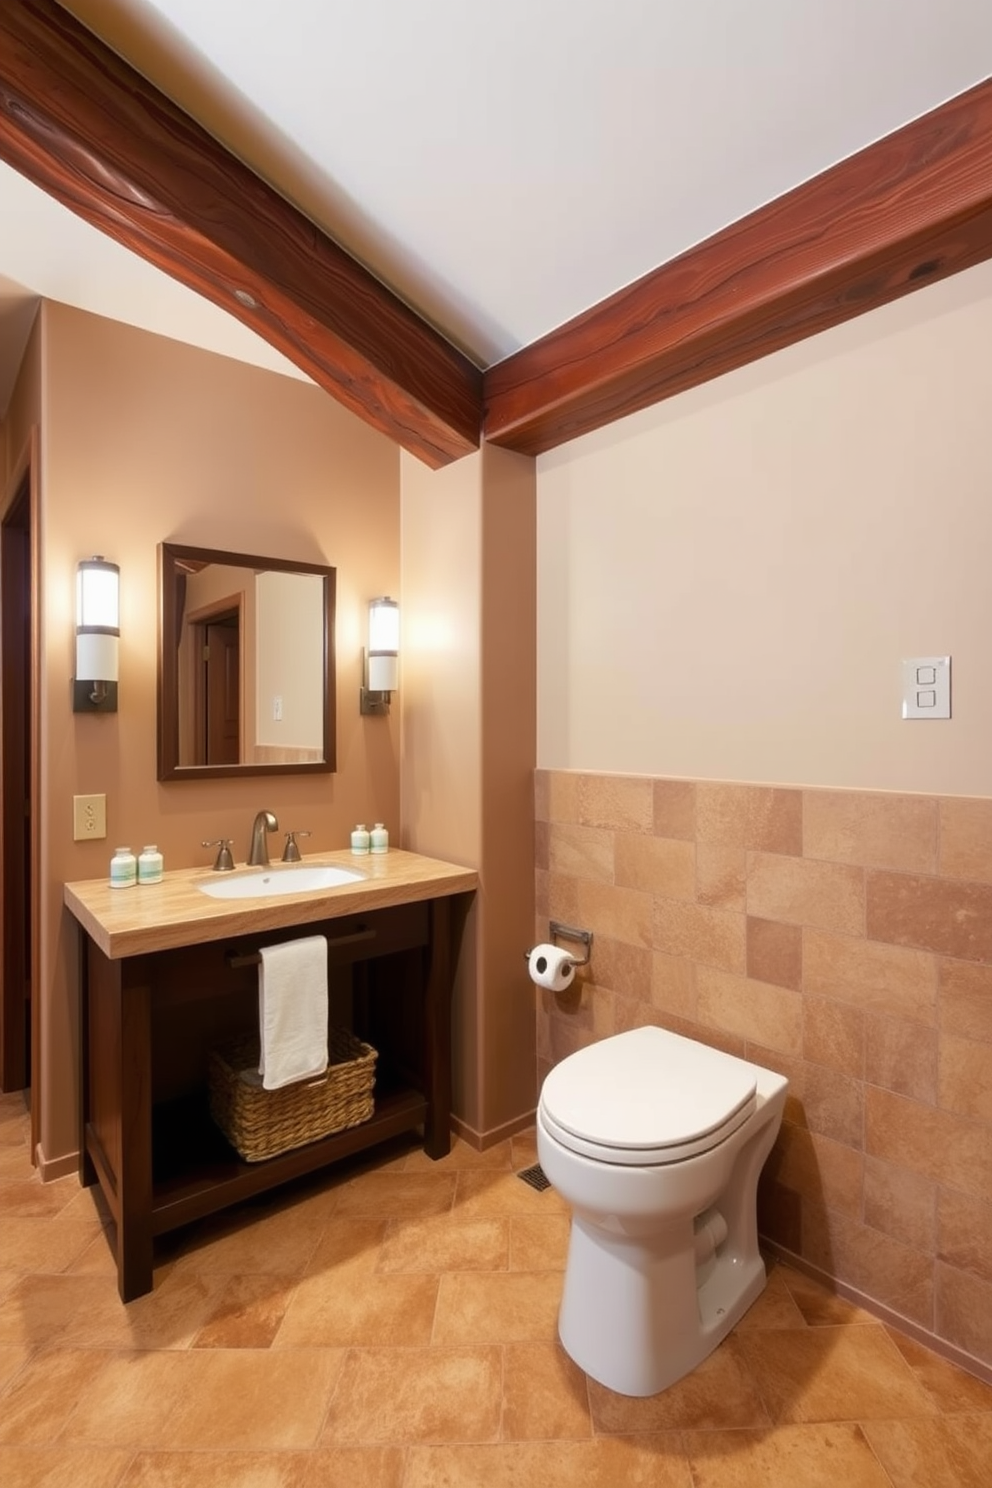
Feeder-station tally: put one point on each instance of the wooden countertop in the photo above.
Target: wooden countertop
(160, 917)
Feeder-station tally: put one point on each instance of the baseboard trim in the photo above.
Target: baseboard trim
(481, 1141)
(937, 1345)
(50, 1168)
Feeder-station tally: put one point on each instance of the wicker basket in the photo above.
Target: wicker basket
(261, 1123)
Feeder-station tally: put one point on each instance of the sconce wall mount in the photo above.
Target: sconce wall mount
(380, 662)
(94, 687)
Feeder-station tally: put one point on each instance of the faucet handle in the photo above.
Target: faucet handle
(291, 853)
(224, 861)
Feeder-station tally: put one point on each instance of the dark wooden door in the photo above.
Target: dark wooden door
(222, 684)
(15, 758)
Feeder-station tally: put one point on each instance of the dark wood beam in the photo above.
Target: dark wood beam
(84, 126)
(909, 210)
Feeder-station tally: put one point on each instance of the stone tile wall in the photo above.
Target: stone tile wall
(841, 937)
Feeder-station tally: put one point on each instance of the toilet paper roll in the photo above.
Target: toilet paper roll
(549, 966)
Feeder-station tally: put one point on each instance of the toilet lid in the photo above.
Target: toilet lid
(647, 1096)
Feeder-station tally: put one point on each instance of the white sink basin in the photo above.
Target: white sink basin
(263, 883)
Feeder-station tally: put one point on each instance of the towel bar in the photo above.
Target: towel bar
(235, 959)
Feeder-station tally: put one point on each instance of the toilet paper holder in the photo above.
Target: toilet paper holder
(568, 932)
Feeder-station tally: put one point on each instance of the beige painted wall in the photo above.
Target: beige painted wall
(728, 581)
(467, 689)
(147, 440)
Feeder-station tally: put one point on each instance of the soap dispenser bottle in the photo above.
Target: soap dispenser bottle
(379, 839)
(360, 839)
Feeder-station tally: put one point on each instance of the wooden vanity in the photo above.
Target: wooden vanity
(164, 980)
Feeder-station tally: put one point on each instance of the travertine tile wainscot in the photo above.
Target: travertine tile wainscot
(842, 937)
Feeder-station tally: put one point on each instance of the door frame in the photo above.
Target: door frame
(24, 478)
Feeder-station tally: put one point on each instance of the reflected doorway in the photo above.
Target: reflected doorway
(217, 695)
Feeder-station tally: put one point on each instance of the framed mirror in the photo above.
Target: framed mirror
(245, 665)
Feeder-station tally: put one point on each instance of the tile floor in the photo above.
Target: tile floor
(393, 1326)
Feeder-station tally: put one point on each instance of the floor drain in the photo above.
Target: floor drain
(535, 1176)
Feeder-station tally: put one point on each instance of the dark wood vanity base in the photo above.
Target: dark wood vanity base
(150, 1019)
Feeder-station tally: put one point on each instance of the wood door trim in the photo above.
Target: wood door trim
(87, 128)
(26, 469)
(909, 210)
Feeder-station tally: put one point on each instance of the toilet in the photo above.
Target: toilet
(656, 1142)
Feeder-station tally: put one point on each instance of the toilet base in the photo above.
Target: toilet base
(633, 1314)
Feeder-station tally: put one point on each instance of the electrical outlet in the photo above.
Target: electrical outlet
(89, 818)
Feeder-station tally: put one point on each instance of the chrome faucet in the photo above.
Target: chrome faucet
(258, 852)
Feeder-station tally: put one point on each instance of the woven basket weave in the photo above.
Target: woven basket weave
(262, 1123)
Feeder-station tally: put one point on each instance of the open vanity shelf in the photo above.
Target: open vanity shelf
(160, 990)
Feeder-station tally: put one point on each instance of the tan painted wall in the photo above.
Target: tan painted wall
(729, 581)
(24, 409)
(468, 700)
(145, 440)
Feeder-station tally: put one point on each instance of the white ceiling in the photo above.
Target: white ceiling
(502, 164)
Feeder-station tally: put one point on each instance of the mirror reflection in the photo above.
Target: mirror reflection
(246, 664)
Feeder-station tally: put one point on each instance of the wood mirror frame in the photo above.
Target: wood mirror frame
(180, 688)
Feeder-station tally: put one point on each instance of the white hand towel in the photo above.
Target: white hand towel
(292, 1011)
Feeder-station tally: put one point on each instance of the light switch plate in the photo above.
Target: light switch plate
(89, 818)
(926, 687)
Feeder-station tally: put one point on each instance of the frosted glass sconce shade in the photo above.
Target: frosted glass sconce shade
(381, 661)
(94, 688)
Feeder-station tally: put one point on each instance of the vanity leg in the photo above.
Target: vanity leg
(87, 1168)
(437, 1031)
(134, 1225)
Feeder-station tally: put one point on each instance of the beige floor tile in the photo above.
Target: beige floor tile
(337, 1309)
(42, 1395)
(250, 1242)
(397, 1195)
(400, 1395)
(50, 1467)
(45, 1244)
(775, 1308)
(355, 1467)
(352, 1242)
(643, 1462)
(497, 1307)
(545, 1397)
(218, 1470)
(785, 1457)
(168, 1317)
(462, 1155)
(523, 1149)
(951, 1452)
(445, 1244)
(244, 1400)
(539, 1242)
(951, 1389)
(11, 1360)
(247, 1315)
(128, 1399)
(833, 1374)
(819, 1306)
(32, 1199)
(487, 1194)
(37, 1309)
(719, 1394)
(88, 1203)
(97, 1259)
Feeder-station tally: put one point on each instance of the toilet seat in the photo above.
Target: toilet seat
(647, 1097)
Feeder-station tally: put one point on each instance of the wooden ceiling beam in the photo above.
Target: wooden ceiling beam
(84, 126)
(905, 212)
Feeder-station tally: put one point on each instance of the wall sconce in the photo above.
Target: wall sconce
(94, 687)
(380, 663)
